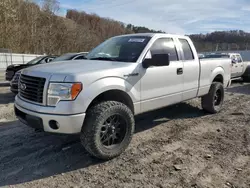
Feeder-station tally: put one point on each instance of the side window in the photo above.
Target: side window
(49, 60)
(43, 61)
(79, 57)
(239, 59)
(165, 46)
(188, 54)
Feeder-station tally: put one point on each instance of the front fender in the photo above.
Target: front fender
(106, 84)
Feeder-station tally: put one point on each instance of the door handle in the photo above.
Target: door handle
(180, 71)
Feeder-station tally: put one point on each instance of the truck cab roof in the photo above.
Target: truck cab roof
(155, 35)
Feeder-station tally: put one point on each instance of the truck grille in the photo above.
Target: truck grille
(31, 88)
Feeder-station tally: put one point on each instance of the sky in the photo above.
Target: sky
(171, 16)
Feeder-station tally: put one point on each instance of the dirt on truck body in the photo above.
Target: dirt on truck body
(177, 146)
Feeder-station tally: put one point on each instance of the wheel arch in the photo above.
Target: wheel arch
(218, 78)
(113, 95)
(218, 75)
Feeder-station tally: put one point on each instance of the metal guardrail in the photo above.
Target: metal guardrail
(7, 59)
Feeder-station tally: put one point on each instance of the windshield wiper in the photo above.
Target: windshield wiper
(103, 58)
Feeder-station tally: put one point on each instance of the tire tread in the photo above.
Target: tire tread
(207, 100)
(94, 115)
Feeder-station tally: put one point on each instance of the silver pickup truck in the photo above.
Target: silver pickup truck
(124, 76)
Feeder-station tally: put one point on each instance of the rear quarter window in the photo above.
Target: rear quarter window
(187, 51)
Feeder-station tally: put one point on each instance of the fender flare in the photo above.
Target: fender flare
(216, 72)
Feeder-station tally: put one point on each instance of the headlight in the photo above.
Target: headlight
(62, 92)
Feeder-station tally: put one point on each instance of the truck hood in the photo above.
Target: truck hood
(75, 70)
(76, 67)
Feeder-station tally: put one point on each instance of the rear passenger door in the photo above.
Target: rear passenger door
(162, 85)
(191, 70)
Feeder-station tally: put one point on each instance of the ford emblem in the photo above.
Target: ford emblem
(22, 86)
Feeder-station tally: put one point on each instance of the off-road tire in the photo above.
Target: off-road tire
(207, 101)
(96, 116)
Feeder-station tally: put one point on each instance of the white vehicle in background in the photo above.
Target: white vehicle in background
(201, 55)
(240, 68)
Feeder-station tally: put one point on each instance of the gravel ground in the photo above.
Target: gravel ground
(178, 146)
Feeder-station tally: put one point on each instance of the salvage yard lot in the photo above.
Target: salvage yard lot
(178, 146)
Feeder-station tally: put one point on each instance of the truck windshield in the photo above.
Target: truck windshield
(124, 49)
(35, 61)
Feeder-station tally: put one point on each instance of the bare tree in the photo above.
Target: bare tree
(50, 6)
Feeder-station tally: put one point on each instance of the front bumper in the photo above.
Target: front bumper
(66, 124)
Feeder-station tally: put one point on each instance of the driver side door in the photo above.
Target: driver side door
(162, 85)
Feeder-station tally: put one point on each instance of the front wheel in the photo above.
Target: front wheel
(108, 129)
(213, 101)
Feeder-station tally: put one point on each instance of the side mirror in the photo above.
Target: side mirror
(156, 60)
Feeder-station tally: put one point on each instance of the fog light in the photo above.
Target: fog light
(54, 124)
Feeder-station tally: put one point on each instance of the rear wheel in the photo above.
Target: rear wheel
(108, 129)
(213, 101)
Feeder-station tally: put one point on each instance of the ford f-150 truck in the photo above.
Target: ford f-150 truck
(120, 78)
